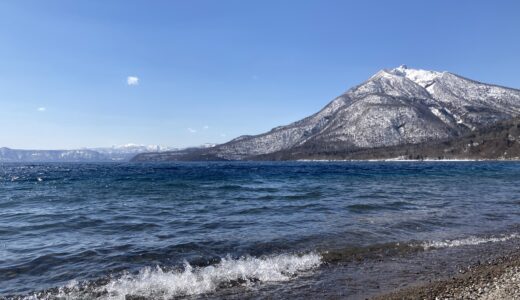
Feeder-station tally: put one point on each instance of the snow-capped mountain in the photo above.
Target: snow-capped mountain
(133, 148)
(83, 155)
(393, 107)
(127, 151)
(115, 153)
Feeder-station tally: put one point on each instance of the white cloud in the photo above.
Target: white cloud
(206, 127)
(191, 130)
(223, 135)
(42, 109)
(132, 80)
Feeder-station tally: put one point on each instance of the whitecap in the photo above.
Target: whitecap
(158, 283)
(469, 241)
(161, 284)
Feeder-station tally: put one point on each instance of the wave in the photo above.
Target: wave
(392, 249)
(158, 283)
(469, 241)
(166, 283)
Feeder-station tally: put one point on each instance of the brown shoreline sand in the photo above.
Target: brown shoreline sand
(495, 279)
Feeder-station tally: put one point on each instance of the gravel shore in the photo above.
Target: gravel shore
(496, 279)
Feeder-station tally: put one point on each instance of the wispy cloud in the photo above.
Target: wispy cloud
(223, 135)
(132, 80)
(191, 130)
(42, 109)
(206, 127)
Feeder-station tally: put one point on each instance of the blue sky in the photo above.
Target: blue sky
(209, 71)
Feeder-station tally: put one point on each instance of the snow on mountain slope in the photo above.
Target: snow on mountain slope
(393, 107)
(475, 104)
(423, 78)
(115, 153)
(84, 155)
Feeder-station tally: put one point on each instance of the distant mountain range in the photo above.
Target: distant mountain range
(115, 153)
(394, 110)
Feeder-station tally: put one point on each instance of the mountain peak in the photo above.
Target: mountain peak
(423, 78)
(400, 106)
(402, 68)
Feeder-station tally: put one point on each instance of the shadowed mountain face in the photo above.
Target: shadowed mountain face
(498, 141)
(393, 107)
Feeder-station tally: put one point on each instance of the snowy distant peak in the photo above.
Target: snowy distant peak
(135, 148)
(423, 78)
(114, 153)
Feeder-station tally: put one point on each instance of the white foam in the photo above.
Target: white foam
(159, 284)
(468, 241)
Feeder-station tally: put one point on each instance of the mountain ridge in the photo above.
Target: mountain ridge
(119, 153)
(393, 107)
(500, 141)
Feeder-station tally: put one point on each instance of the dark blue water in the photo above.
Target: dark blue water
(210, 225)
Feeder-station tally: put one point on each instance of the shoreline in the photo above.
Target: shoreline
(402, 271)
(496, 278)
(488, 268)
(407, 160)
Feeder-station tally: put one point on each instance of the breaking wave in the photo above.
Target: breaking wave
(158, 283)
(469, 241)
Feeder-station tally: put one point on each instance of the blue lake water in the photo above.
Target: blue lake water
(167, 230)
